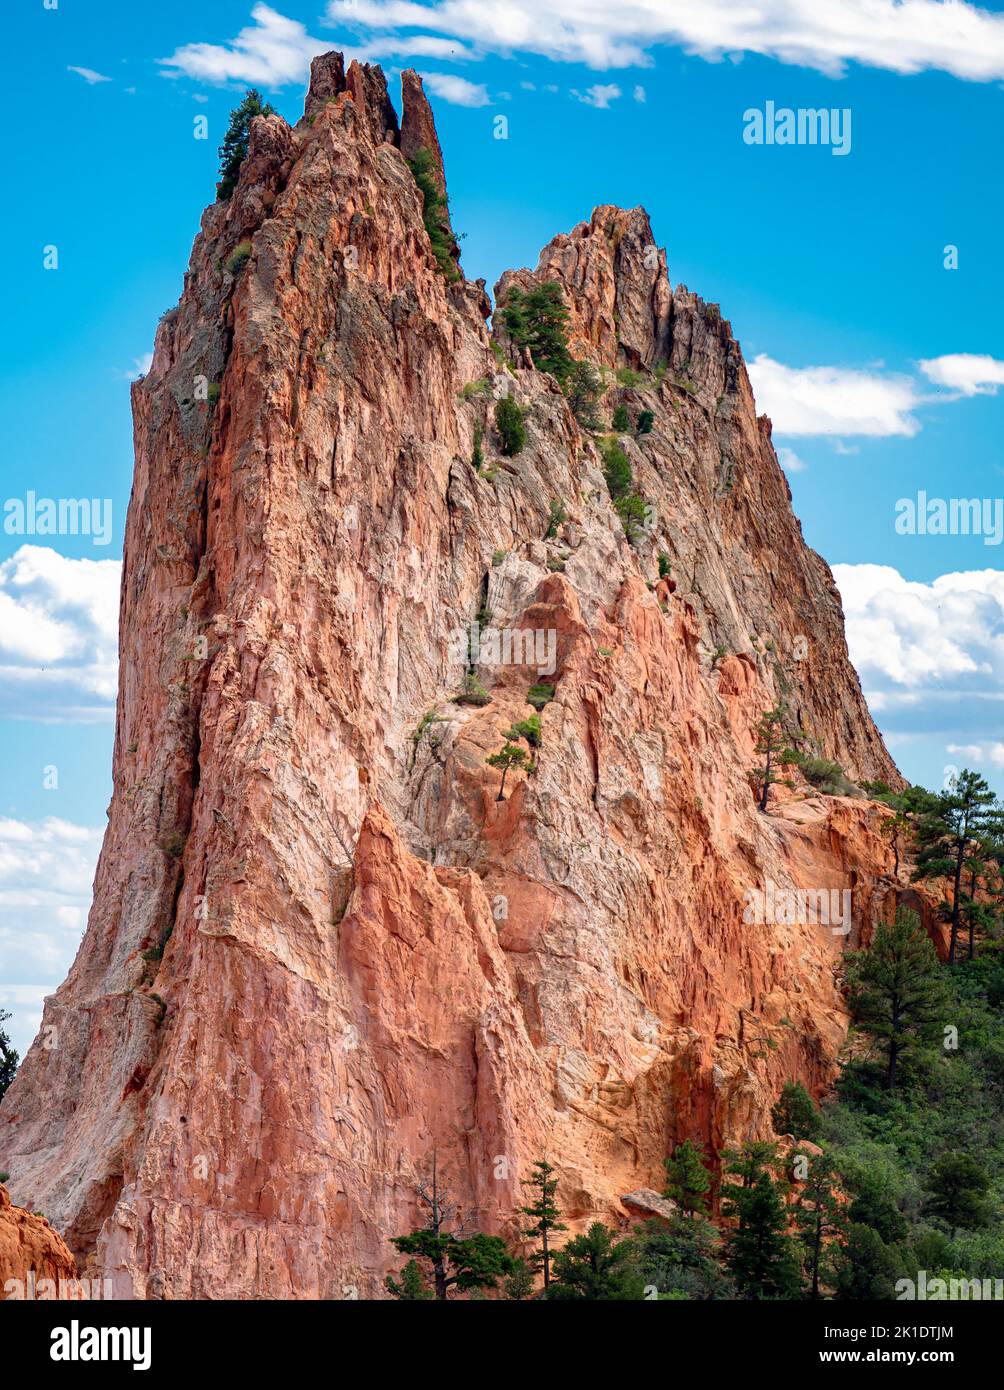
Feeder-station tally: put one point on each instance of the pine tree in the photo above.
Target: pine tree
(509, 423)
(518, 1284)
(772, 746)
(946, 836)
(621, 420)
(8, 1056)
(760, 1256)
(866, 1268)
(235, 143)
(896, 991)
(456, 1260)
(958, 1188)
(544, 1214)
(687, 1180)
(594, 1266)
(819, 1214)
(796, 1113)
(537, 319)
(507, 757)
(583, 390)
(412, 1287)
(435, 214)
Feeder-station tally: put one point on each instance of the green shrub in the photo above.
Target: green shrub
(621, 420)
(627, 376)
(540, 695)
(556, 515)
(537, 319)
(477, 453)
(480, 387)
(827, 777)
(645, 421)
(473, 692)
(239, 257)
(235, 143)
(583, 389)
(509, 423)
(664, 565)
(435, 214)
(616, 468)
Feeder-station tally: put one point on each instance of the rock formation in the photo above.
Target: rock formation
(30, 1251)
(320, 948)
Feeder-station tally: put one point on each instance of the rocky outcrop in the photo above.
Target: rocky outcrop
(320, 947)
(30, 1251)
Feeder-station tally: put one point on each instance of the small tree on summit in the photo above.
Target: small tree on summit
(235, 142)
(508, 756)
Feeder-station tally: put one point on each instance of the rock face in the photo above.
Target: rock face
(30, 1250)
(320, 947)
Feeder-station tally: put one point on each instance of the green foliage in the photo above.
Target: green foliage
(681, 1259)
(479, 388)
(412, 1287)
(645, 421)
(866, 1268)
(435, 214)
(796, 1113)
(519, 1282)
(896, 992)
(555, 516)
(472, 692)
(687, 1180)
(540, 694)
(958, 1189)
(474, 1262)
(616, 469)
(583, 389)
(508, 757)
(664, 565)
(628, 376)
(537, 319)
(596, 1267)
(477, 453)
(760, 1256)
(621, 419)
(544, 1216)
(509, 423)
(772, 746)
(828, 777)
(8, 1057)
(4, 1176)
(819, 1217)
(235, 143)
(525, 728)
(239, 257)
(947, 833)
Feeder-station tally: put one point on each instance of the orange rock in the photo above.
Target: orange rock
(30, 1250)
(320, 948)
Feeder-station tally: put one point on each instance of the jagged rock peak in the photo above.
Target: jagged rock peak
(616, 286)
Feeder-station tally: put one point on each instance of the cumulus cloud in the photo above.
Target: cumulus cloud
(88, 74)
(599, 96)
(46, 875)
(58, 637)
(965, 372)
(456, 90)
(904, 36)
(639, 94)
(930, 656)
(834, 400)
(790, 461)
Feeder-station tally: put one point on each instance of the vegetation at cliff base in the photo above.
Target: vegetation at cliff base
(235, 143)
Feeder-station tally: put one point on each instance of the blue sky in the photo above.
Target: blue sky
(880, 368)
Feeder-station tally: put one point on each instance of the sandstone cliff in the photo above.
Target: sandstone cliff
(31, 1252)
(320, 947)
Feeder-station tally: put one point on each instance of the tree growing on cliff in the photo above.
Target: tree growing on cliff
(508, 756)
(544, 1214)
(435, 213)
(594, 1267)
(583, 390)
(8, 1056)
(538, 319)
(895, 990)
(235, 143)
(509, 423)
(687, 1180)
(796, 1113)
(946, 835)
(455, 1259)
(772, 747)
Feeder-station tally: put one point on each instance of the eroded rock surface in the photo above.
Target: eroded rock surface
(320, 947)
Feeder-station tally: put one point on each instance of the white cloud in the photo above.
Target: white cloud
(834, 400)
(46, 875)
(790, 461)
(904, 36)
(272, 51)
(140, 366)
(88, 74)
(965, 372)
(977, 753)
(456, 90)
(58, 637)
(599, 96)
(639, 94)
